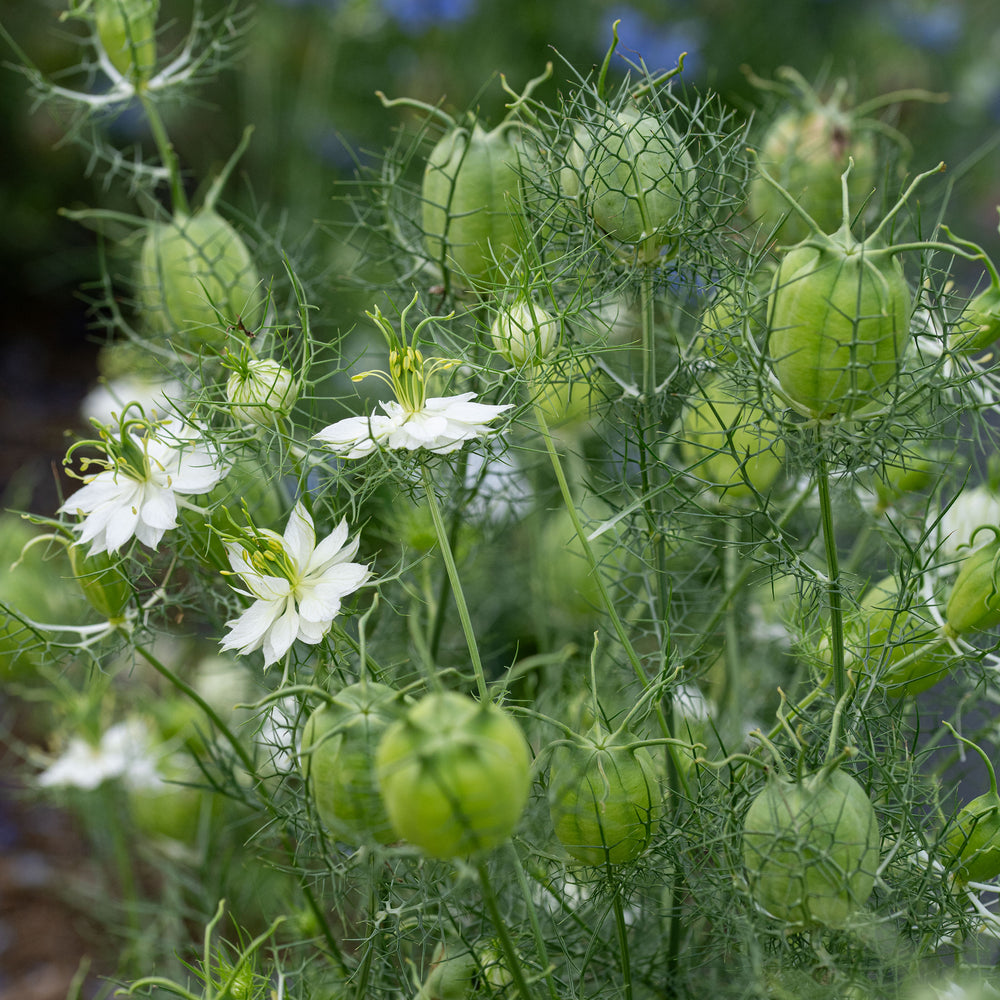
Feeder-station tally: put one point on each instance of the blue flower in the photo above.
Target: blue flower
(658, 43)
(415, 16)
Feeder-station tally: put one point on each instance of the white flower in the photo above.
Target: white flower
(297, 586)
(108, 400)
(972, 509)
(277, 735)
(412, 420)
(124, 752)
(136, 492)
(442, 424)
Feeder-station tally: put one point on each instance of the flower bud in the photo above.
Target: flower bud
(524, 334)
(974, 602)
(102, 580)
(261, 391)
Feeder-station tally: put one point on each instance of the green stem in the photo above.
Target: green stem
(731, 656)
(500, 926)
(623, 949)
(536, 930)
(456, 584)
(168, 155)
(588, 550)
(833, 581)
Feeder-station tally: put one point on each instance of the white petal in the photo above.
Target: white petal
(300, 535)
(281, 635)
(247, 632)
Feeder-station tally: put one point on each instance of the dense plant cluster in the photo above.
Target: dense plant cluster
(606, 613)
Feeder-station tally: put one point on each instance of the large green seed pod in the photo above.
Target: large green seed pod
(604, 798)
(636, 179)
(127, 33)
(337, 761)
(729, 443)
(471, 203)
(811, 848)
(883, 633)
(979, 325)
(974, 601)
(807, 150)
(454, 775)
(195, 278)
(838, 319)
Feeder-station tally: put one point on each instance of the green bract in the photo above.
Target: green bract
(454, 775)
(604, 798)
(472, 203)
(811, 848)
(127, 32)
(838, 319)
(730, 444)
(885, 631)
(636, 179)
(974, 602)
(807, 150)
(337, 761)
(195, 278)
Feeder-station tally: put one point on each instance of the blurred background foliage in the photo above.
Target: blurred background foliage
(307, 80)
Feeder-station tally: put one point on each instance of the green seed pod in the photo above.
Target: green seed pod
(838, 319)
(811, 848)
(337, 762)
(883, 633)
(807, 150)
(637, 179)
(973, 841)
(979, 326)
(604, 798)
(471, 197)
(195, 278)
(454, 775)
(974, 602)
(730, 444)
(127, 33)
(103, 582)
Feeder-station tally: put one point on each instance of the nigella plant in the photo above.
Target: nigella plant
(606, 605)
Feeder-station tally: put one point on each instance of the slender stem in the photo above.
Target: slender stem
(500, 926)
(536, 930)
(456, 584)
(167, 153)
(833, 577)
(731, 657)
(567, 498)
(623, 949)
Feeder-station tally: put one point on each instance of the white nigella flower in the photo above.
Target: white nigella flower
(124, 752)
(973, 508)
(413, 420)
(147, 465)
(297, 585)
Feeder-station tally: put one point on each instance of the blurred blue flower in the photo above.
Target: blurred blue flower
(659, 43)
(415, 16)
(934, 26)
